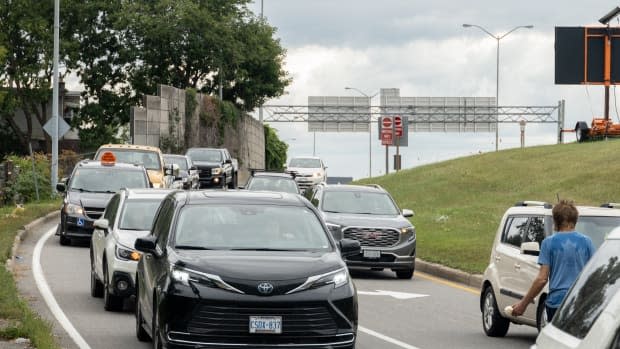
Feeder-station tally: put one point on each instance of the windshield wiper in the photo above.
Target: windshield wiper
(260, 249)
(190, 247)
(82, 190)
(328, 211)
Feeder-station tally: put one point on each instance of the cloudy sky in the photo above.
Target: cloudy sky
(421, 48)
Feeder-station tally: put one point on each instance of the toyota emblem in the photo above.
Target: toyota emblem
(265, 288)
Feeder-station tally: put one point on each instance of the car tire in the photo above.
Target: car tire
(493, 323)
(224, 182)
(405, 274)
(541, 315)
(64, 241)
(96, 286)
(233, 182)
(110, 301)
(582, 132)
(141, 333)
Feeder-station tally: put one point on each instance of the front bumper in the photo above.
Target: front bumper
(215, 181)
(320, 318)
(401, 257)
(123, 270)
(307, 182)
(76, 226)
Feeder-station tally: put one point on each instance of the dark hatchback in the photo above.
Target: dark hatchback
(243, 270)
(87, 192)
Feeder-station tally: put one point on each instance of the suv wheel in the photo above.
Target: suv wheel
(110, 301)
(96, 287)
(405, 274)
(493, 323)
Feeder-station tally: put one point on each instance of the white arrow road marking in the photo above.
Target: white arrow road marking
(47, 294)
(385, 338)
(394, 294)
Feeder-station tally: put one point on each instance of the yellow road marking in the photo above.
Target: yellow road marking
(447, 283)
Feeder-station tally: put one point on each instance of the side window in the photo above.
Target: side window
(112, 209)
(535, 230)
(161, 225)
(514, 231)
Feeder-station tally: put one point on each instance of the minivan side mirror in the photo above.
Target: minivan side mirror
(531, 248)
(147, 244)
(407, 213)
(349, 247)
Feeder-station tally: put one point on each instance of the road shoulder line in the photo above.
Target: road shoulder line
(47, 294)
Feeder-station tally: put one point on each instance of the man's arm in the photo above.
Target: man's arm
(537, 285)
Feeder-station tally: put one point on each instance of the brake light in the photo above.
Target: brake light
(108, 158)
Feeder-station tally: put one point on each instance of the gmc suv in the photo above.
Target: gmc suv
(368, 214)
(514, 260)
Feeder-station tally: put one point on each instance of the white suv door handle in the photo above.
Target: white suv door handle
(498, 257)
(517, 266)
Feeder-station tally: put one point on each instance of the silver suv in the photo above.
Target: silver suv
(368, 214)
(514, 260)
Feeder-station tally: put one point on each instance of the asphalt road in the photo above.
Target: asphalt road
(425, 312)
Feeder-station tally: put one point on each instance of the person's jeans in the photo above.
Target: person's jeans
(550, 313)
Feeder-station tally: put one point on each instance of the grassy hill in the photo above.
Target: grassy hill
(458, 203)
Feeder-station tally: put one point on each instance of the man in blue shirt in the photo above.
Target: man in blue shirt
(562, 256)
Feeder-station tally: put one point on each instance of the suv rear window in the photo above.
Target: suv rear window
(591, 293)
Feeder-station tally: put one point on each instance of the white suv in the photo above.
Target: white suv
(514, 260)
(309, 171)
(113, 259)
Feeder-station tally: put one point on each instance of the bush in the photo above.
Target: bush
(21, 186)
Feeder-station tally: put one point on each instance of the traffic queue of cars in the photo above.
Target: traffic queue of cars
(258, 267)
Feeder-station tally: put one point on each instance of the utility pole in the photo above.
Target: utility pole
(55, 96)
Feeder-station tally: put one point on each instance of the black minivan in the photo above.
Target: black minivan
(224, 269)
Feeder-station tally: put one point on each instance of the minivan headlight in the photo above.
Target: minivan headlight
(74, 209)
(188, 276)
(338, 278)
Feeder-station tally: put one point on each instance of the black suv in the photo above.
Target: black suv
(368, 213)
(87, 192)
(240, 269)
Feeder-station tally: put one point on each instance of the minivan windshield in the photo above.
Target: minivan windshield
(250, 227)
(591, 292)
(107, 179)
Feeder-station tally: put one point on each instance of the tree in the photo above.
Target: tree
(275, 150)
(26, 66)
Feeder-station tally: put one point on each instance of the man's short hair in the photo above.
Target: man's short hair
(565, 214)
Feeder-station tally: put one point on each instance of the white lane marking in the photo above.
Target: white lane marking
(394, 294)
(386, 338)
(47, 294)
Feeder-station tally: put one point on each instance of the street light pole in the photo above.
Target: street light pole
(369, 127)
(497, 38)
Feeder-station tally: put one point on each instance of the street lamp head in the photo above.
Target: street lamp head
(528, 26)
(609, 16)
(466, 25)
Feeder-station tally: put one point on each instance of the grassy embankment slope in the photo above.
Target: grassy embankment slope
(458, 203)
(16, 317)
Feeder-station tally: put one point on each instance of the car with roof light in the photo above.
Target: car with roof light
(87, 192)
(272, 181)
(148, 156)
(513, 264)
(369, 214)
(113, 259)
(588, 317)
(187, 176)
(309, 171)
(264, 261)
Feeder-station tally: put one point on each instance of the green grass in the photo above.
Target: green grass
(23, 322)
(473, 193)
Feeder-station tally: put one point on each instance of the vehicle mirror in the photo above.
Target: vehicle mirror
(228, 161)
(193, 168)
(61, 187)
(408, 213)
(531, 248)
(172, 170)
(147, 245)
(102, 223)
(349, 247)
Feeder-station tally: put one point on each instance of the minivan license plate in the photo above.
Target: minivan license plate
(372, 254)
(266, 324)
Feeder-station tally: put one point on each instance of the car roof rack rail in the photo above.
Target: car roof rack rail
(526, 203)
(611, 205)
